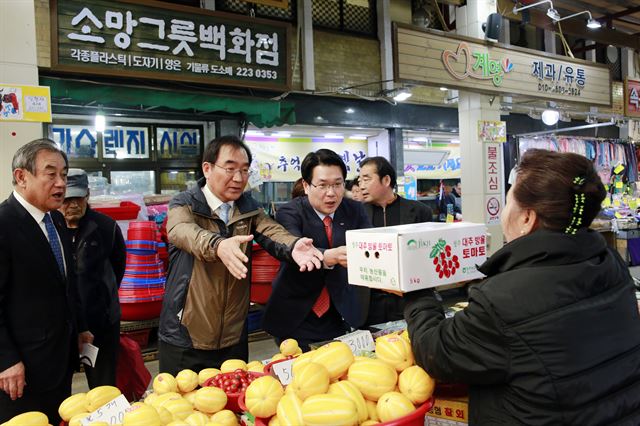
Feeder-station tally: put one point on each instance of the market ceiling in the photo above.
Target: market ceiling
(620, 19)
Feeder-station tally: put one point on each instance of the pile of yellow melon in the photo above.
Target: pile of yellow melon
(330, 387)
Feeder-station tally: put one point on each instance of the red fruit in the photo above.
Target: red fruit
(239, 371)
(453, 271)
(438, 268)
(456, 264)
(449, 264)
(447, 273)
(442, 255)
(455, 258)
(435, 260)
(448, 252)
(440, 274)
(447, 247)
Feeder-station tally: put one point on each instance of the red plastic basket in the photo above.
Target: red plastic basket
(232, 398)
(260, 292)
(260, 421)
(141, 310)
(126, 211)
(415, 418)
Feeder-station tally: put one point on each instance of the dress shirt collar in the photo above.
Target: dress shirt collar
(36, 213)
(322, 215)
(213, 201)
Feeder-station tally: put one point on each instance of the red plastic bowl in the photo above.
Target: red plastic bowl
(126, 211)
(232, 398)
(415, 418)
(141, 310)
(268, 369)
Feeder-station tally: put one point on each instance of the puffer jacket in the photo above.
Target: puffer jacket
(550, 337)
(204, 306)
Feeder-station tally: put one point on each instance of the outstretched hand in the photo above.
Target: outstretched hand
(230, 253)
(306, 255)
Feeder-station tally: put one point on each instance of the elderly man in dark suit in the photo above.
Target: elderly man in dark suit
(40, 312)
(318, 305)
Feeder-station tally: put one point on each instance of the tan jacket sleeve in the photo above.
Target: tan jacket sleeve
(273, 237)
(187, 235)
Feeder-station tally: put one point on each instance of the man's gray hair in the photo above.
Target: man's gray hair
(25, 156)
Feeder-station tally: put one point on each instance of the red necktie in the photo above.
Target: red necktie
(323, 302)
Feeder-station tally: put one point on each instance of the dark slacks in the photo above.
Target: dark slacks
(45, 402)
(108, 342)
(173, 358)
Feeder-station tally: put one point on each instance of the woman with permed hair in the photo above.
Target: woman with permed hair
(551, 336)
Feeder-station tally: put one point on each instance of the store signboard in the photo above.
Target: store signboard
(493, 172)
(631, 98)
(279, 159)
(158, 40)
(125, 142)
(76, 141)
(492, 131)
(25, 103)
(435, 58)
(178, 142)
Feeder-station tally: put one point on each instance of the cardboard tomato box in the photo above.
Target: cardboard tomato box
(412, 257)
(448, 412)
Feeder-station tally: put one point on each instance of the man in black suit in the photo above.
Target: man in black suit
(318, 305)
(40, 312)
(100, 254)
(386, 208)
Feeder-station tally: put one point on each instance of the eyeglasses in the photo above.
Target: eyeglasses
(232, 172)
(325, 187)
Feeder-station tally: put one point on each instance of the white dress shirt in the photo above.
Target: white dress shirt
(214, 202)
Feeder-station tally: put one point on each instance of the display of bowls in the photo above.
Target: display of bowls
(140, 310)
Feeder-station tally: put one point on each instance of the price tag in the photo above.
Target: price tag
(283, 371)
(358, 341)
(112, 412)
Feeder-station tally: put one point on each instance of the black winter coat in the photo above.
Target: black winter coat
(550, 337)
(100, 254)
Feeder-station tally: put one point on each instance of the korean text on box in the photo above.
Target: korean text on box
(412, 257)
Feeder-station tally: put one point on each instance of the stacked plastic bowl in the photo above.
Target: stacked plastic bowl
(142, 287)
(264, 269)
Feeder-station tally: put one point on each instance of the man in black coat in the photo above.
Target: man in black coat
(100, 254)
(386, 208)
(318, 305)
(40, 312)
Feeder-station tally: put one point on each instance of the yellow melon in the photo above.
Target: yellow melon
(31, 418)
(369, 423)
(373, 377)
(255, 366)
(329, 410)
(160, 400)
(303, 359)
(289, 347)
(262, 396)
(187, 380)
(310, 379)
(336, 358)
(165, 415)
(395, 351)
(178, 423)
(180, 408)
(274, 421)
(75, 404)
(164, 383)
(190, 396)
(207, 373)
(278, 357)
(393, 405)
(150, 398)
(210, 399)
(225, 418)
(99, 396)
(197, 419)
(405, 335)
(75, 420)
(232, 365)
(416, 384)
(372, 410)
(289, 410)
(140, 414)
(348, 389)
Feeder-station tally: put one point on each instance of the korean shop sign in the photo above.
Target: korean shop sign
(632, 98)
(162, 41)
(431, 57)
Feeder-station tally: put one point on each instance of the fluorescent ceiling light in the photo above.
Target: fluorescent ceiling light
(455, 140)
(550, 116)
(282, 134)
(444, 89)
(593, 24)
(349, 110)
(254, 133)
(420, 139)
(100, 122)
(402, 95)
(358, 137)
(332, 136)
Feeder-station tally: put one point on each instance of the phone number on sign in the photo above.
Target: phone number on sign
(257, 73)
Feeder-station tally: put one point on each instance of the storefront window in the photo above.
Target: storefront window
(174, 181)
(125, 142)
(77, 141)
(180, 143)
(136, 182)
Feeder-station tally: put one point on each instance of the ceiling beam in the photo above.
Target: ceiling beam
(622, 13)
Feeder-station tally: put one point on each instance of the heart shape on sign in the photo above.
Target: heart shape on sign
(462, 53)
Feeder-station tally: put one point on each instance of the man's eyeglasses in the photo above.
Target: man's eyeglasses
(244, 172)
(326, 187)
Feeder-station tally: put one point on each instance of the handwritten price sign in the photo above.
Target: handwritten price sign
(283, 371)
(112, 412)
(358, 341)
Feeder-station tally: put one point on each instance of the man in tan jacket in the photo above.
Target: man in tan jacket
(210, 228)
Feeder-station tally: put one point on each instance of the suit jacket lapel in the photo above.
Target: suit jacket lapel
(34, 235)
(315, 225)
(340, 225)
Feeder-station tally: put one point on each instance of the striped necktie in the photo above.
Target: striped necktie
(54, 242)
